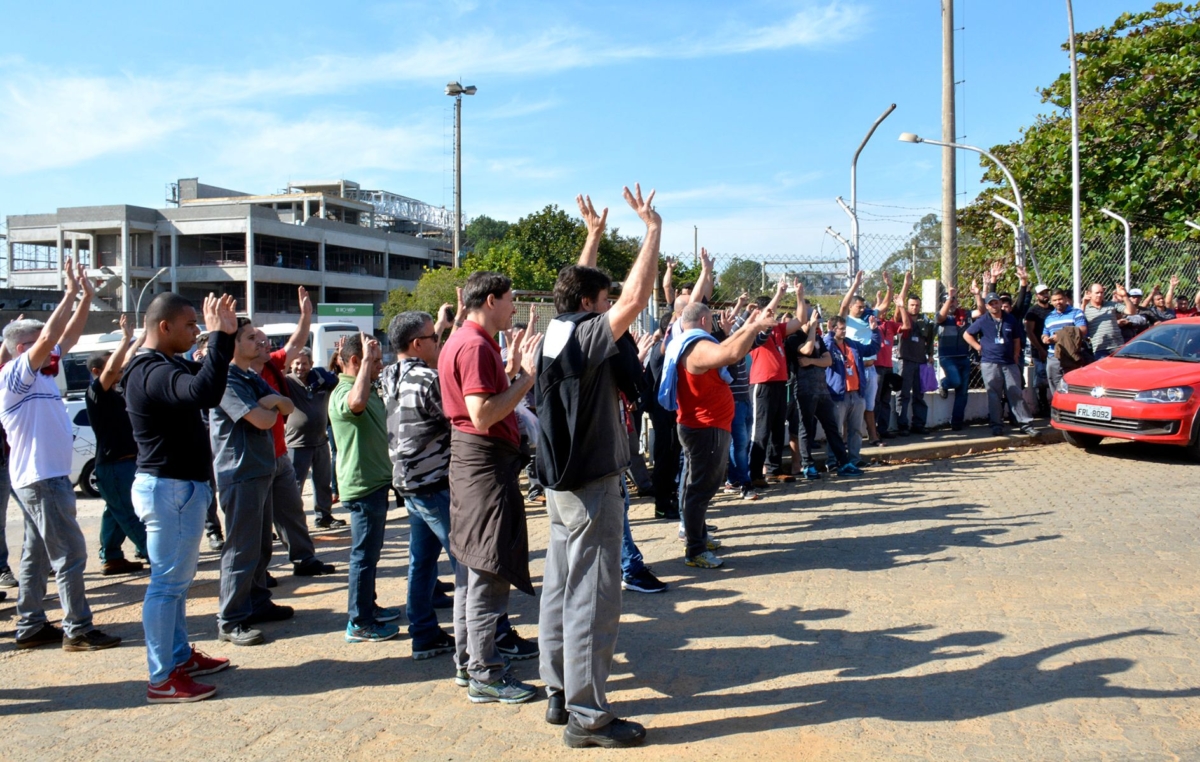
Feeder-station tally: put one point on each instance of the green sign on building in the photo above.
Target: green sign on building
(345, 310)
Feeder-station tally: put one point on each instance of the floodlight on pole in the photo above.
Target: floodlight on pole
(1128, 257)
(1076, 225)
(457, 91)
(908, 137)
(138, 307)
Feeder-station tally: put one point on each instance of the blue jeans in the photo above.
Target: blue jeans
(631, 557)
(367, 518)
(119, 520)
(429, 532)
(958, 377)
(173, 511)
(739, 446)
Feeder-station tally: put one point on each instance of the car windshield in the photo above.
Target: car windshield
(1170, 341)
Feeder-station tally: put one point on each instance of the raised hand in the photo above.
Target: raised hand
(459, 313)
(1023, 275)
(798, 287)
(513, 338)
(643, 207)
(705, 261)
(306, 305)
(671, 264)
(742, 300)
(126, 327)
(997, 270)
(858, 278)
(763, 320)
(725, 320)
(953, 292)
(530, 344)
(212, 319)
(227, 314)
(781, 287)
(71, 276)
(371, 349)
(595, 222)
(1174, 281)
(975, 287)
(443, 315)
(873, 322)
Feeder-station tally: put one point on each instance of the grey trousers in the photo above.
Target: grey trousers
(707, 454)
(288, 507)
(1054, 373)
(247, 552)
(581, 596)
(319, 462)
(480, 600)
(1001, 380)
(910, 391)
(53, 540)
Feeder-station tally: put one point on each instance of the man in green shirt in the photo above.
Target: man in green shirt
(364, 475)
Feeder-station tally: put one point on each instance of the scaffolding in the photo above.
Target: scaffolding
(396, 212)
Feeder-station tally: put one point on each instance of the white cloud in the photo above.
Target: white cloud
(50, 120)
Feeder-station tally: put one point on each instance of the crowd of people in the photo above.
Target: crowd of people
(198, 416)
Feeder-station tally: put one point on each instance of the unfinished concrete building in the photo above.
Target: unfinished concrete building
(345, 244)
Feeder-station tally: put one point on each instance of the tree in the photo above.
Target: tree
(482, 231)
(436, 287)
(527, 273)
(738, 276)
(1139, 124)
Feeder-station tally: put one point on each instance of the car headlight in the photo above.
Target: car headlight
(1169, 394)
(1062, 387)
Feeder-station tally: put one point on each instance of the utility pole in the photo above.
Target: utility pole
(458, 181)
(949, 188)
(695, 243)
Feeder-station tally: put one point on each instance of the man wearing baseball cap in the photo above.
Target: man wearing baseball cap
(996, 336)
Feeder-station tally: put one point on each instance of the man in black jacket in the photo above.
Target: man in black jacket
(164, 396)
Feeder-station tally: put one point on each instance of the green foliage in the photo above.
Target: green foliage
(436, 287)
(1139, 96)
(482, 232)
(740, 275)
(527, 273)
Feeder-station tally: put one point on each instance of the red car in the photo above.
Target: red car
(1145, 391)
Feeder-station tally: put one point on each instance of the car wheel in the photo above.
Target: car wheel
(1086, 441)
(87, 480)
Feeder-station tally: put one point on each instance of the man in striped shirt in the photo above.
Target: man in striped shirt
(1062, 316)
(1103, 327)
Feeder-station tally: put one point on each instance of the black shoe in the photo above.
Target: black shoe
(642, 582)
(328, 522)
(919, 430)
(442, 643)
(886, 435)
(901, 432)
(516, 647)
(997, 431)
(943, 393)
(442, 601)
(556, 709)
(216, 543)
(618, 734)
(671, 515)
(312, 568)
(45, 635)
(956, 427)
(120, 566)
(445, 588)
(1029, 430)
(271, 581)
(240, 635)
(92, 640)
(272, 612)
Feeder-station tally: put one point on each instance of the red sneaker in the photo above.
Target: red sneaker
(179, 688)
(202, 664)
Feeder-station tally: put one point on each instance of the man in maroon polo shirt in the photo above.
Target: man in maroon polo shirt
(488, 536)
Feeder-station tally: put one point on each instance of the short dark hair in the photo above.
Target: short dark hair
(762, 302)
(351, 347)
(242, 323)
(1061, 292)
(166, 306)
(482, 284)
(686, 286)
(405, 327)
(835, 321)
(857, 298)
(97, 360)
(576, 283)
(202, 342)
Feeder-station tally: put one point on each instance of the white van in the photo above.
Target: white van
(321, 338)
(74, 377)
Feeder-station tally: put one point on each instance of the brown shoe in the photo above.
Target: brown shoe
(120, 566)
(784, 478)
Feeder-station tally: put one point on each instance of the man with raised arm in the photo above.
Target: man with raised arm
(39, 433)
(857, 313)
(916, 349)
(696, 384)
(488, 536)
(164, 395)
(768, 384)
(116, 455)
(587, 360)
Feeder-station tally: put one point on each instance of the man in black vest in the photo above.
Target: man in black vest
(582, 452)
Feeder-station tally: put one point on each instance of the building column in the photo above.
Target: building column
(123, 267)
(174, 260)
(249, 265)
(62, 284)
(321, 264)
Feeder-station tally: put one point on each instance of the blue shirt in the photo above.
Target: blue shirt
(950, 334)
(997, 337)
(1056, 321)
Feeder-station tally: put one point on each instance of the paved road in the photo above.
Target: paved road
(1033, 604)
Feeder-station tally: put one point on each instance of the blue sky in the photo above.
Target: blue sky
(744, 116)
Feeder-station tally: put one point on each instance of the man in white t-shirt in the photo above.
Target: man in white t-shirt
(39, 435)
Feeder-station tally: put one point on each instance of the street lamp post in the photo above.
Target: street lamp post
(138, 308)
(1128, 257)
(1076, 233)
(853, 210)
(1019, 206)
(457, 91)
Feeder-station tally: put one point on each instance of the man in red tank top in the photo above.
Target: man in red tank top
(705, 418)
